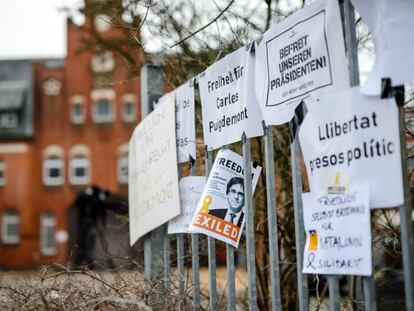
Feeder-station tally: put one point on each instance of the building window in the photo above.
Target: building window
(77, 110)
(3, 179)
(128, 108)
(123, 169)
(103, 111)
(10, 227)
(8, 120)
(53, 172)
(47, 234)
(79, 170)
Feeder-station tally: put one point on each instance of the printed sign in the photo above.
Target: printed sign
(220, 212)
(333, 245)
(153, 176)
(302, 55)
(185, 122)
(191, 189)
(228, 100)
(391, 24)
(355, 138)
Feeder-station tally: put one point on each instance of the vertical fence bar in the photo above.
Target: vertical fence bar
(334, 295)
(299, 225)
(231, 273)
(180, 253)
(248, 208)
(348, 17)
(195, 259)
(272, 219)
(167, 261)
(180, 263)
(152, 88)
(231, 284)
(211, 245)
(406, 216)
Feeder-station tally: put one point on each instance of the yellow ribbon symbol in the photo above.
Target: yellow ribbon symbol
(206, 202)
(337, 176)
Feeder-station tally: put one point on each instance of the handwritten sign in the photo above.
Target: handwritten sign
(228, 100)
(220, 212)
(185, 122)
(191, 188)
(302, 55)
(391, 24)
(338, 232)
(355, 137)
(153, 178)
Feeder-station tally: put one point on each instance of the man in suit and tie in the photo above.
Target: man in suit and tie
(235, 199)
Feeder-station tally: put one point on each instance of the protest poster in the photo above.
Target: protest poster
(153, 177)
(298, 57)
(191, 188)
(185, 122)
(338, 232)
(228, 100)
(220, 212)
(391, 24)
(348, 136)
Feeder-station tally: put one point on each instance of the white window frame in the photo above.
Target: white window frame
(3, 176)
(77, 119)
(53, 163)
(98, 118)
(77, 162)
(128, 117)
(9, 219)
(47, 221)
(9, 120)
(122, 162)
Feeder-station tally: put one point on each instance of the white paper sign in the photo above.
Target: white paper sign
(301, 56)
(220, 212)
(153, 178)
(228, 100)
(347, 136)
(391, 24)
(191, 188)
(338, 232)
(185, 122)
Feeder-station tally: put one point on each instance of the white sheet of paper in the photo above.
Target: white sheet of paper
(301, 56)
(228, 100)
(222, 196)
(153, 176)
(347, 136)
(391, 24)
(191, 188)
(185, 122)
(338, 232)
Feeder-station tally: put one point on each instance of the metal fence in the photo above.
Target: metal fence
(157, 242)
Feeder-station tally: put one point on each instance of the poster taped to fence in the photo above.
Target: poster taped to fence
(391, 24)
(347, 136)
(220, 212)
(298, 57)
(338, 232)
(191, 188)
(228, 100)
(153, 175)
(185, 122)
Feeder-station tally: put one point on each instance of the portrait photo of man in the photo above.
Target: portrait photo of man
(235, 200)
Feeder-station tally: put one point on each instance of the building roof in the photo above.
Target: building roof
(13, 94)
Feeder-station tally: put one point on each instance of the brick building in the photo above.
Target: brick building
(64, 126)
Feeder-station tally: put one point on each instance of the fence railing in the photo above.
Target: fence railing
(157, 242)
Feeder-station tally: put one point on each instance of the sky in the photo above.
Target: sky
(33, 28)
(37, 29)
